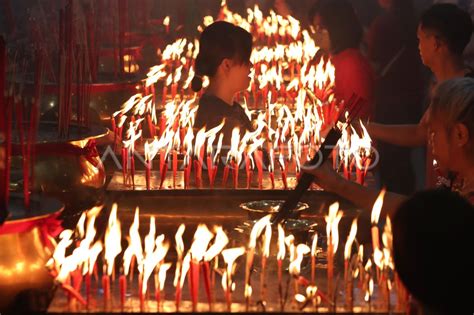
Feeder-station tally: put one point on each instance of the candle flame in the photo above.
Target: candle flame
(332, 222)
(300, 298)
(257, 229)
(295, 265)
(230, 256)
(314, 245)
(350, 240)
(134, 244)
(220, 242)
(377, 208)
(162, 274)
(202, 238)
(112, 239)
(281, 243)
(266, 240)
(153, 258)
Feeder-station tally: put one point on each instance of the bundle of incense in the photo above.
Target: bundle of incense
(306, 179)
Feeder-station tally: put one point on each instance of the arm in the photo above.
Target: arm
(359, 195)
(365, 197)
(403, 135)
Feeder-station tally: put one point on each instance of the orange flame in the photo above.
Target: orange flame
(112, 239)
(377, 207)
(350, 240)
(281, 243)
(134, 245)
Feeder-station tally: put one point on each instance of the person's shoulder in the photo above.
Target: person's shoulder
(352, 60)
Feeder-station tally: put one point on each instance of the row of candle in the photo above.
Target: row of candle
(75, 258)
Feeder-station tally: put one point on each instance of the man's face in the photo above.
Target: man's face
(427, 45)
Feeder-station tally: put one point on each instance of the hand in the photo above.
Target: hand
(325, 176)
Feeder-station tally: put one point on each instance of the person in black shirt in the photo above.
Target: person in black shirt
(224, 57)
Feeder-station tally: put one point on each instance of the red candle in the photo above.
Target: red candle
(207, 282)
(248, 170)
(187, 173)
(141, 296)
(106, 288)
(198, 173)
(175, 167)
(164, 168)
(123, 289)
(225, 176)
(210, 171)
(280, 285)
(177, 297)
(235, 174)
(113, 125)
(73, 293)
(259, 161)
(151, 126)
(148, 174)
(174, 90)
(272, 178)
(347, 173)
(157, 292)
(194, 281)
(162, 125)
(124, 164)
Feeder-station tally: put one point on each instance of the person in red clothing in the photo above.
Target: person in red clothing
(339, 33)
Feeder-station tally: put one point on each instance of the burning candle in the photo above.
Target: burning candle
(280, 257)
(248, 170)
(271, 169)
(375, 215)
(257, 229)
(160, 283)
(266, 252)
(314, 253)
(347, 267)
(332, 222)
(282, 163)
(106, 286)
(259, 161)
(175, 166)
(124, 164)
(179, 264)
(230, 255)
(221, 240)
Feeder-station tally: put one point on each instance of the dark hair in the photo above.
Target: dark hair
(450, 23)
(431, 233)
(218, 41)
(341, 21)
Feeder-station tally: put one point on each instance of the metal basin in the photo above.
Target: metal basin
(23, 252)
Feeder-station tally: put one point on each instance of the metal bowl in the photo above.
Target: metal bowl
(68, 168)
(65, 165)
(24, 254)
(260, 208)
